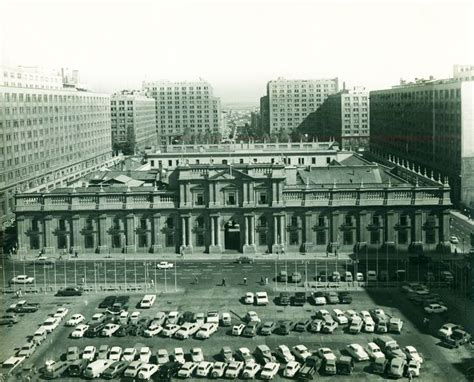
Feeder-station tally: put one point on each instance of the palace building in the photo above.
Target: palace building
(346, 205)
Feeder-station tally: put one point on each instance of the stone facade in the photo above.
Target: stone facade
(241, 208)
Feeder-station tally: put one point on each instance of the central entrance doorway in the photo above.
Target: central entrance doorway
(232, 236)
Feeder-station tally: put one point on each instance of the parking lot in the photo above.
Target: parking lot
(439, 362)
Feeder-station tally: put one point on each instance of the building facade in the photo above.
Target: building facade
(290, 101)
(315, 154)
(344, 117)
(48, 136)
(184, 106)
(430, 127)
(133, 121)
(243, 208)
(463, 72)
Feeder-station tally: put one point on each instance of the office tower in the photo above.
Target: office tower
(133, 122)
(184, 108)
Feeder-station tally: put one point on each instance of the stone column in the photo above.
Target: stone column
(23, 242)
(283, 230)
(49, 246)
(275, 230)
(67, 226)
(334, 230)
(218, 230)
(252, 230)
(130, 247)
(213, 231)
(251, 194)
(157, 246)
(363, 222)
(274, 193)
(308, 233)
(189, 198)
(246, 219)
(148, 233)
(77, 237)
(390, 231)
(101, 241)
(211, 194)
(190, 237)
(183, 231)
(246, 199)
(417, 239)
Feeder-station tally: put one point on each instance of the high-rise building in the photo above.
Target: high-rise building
(463, 72)
(133, 122)
(290, 101)
(49, 134)
(343, 116)
(265, 114)
(184, 107)
(429, 126)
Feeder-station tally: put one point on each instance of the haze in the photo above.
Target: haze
(239, 45)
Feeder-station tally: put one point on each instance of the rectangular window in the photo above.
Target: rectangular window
(262, 198)
(321, 221)
(199, 199)
(348, 220)
(376, 220)
(321, 238)
(231, 200)
(403, 220)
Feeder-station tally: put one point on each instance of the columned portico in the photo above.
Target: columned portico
(214, 223)
(249, 234)
(186, 236)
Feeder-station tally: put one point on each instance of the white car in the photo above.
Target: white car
(115, 353)
(188, 329)
(238, 329)
(339, 317)
(250, 370)
(173, 317)
(351, 314)
(132, 370)
(291, 369)
(251, 316)
(50, 324)
(244, 355)
(162, 356)
(270, 370)
(178, 355)
(79, 331)
(203, 369)
(218, 370)
(356, 325)
(89, 352)
(152, 330)
(169, 330)
(160, 318)
(146, 371)
(234, 369)
(22, 279)
(435, 309)
(109, 330)
(413, 368)
(145, 354)
(129, 354)
(301, 352)
(226, 319)
(374, 352)
(164, 265)
(371, 276)
(261, 298)
(197, 355)
(326, 354)
(357, 352)
(283, 352)
(213, 317)
(134, 317)
(200, 319)
(412, 354)
(98, 317)
(75, 319)
(454, 240)
(187, 370)
(359, 276)
(249, 298)
(369, 326)
(365, 315)
(447, 329)
(61, 313)
(319, 298)
(207, 330)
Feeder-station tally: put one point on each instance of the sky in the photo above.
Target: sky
(238, 46)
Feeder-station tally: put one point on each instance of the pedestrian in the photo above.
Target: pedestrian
(283, 251)
(262, 280)
(76, 254)
(223, 282)
(266, 280)
(83, 280)
(245, 280)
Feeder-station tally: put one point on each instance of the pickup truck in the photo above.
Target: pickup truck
(309, 368)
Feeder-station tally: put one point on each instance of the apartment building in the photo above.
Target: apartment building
(184, 107)
(133, 118)
(291, 101)
(49, 134)
(429, 126)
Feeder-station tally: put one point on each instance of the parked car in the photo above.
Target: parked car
(244, 260)
(109, 330)
(8, 319)
(251, 316)
(169, 330)
(207, 330)
(396, 367)
(435, 309)
(299, 299)
(115, 353)
(379, 365)
(291, 369)
(55, 370)
(187, 330)
(261, 298)
(447, 329)
(132, 369)
(114, 370)
(282, 276)
(356, 325)
(238, 329)
(319, 298)
(348, 276)
(226, 319)
(284, 298)
(329, 327)
(267, 328)
(77, 367)
(263, 354)
(89, 353)
(147, 301)
(359, 277)
(22, 279)
(164, 265)
(284, 327)
(167, 371)
(412, 354)
(79, 331)
(96, 368)
(172, 318)
(244, 354)
(332, 298)
(204, 368)
(395, 325)
(153, 330)
(233, 369)
(70, 291)
(147, 371)
(357, 352)
(301, 326)
(28, 349)
(458, 337)
(283, 353)
(296, 277)
(340, 317)
(251, 329)
(270, 370)
(75, 319)
(371, 276)
(345, 298)
(187, 370)
(218, 370)
(226, 354)
(61, 313)
(107, 302)
(197, 355)
(94, 329)
(144, 354)
(50, 324)
(103, 352)
(249, 298)
(129, 354)
(344, 365)
(301, 352)
(309, 368)
(178, 355)
(373, 350)
(250, 370)
(316, 325)
(72, 353)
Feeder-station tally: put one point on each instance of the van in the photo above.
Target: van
(96, 368)
(10, 365)
(395, 325)
(147, 301)
(40, 335)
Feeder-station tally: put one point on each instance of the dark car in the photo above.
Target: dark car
(167, 371)
(107, 302)
(115, 370)
(284, 298)
(244, 260)
(302, 325)
(77, 367)
(345, 365)
(94, 329)
(323, 276)
(299, 299)
(186, 317)
(27, 308)
(267, 328)
(457, 338)
(284, 327)
(124, 330)
(251, 329)
(345, 298)
(309, 368)
(70, 291)
(8, 319)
